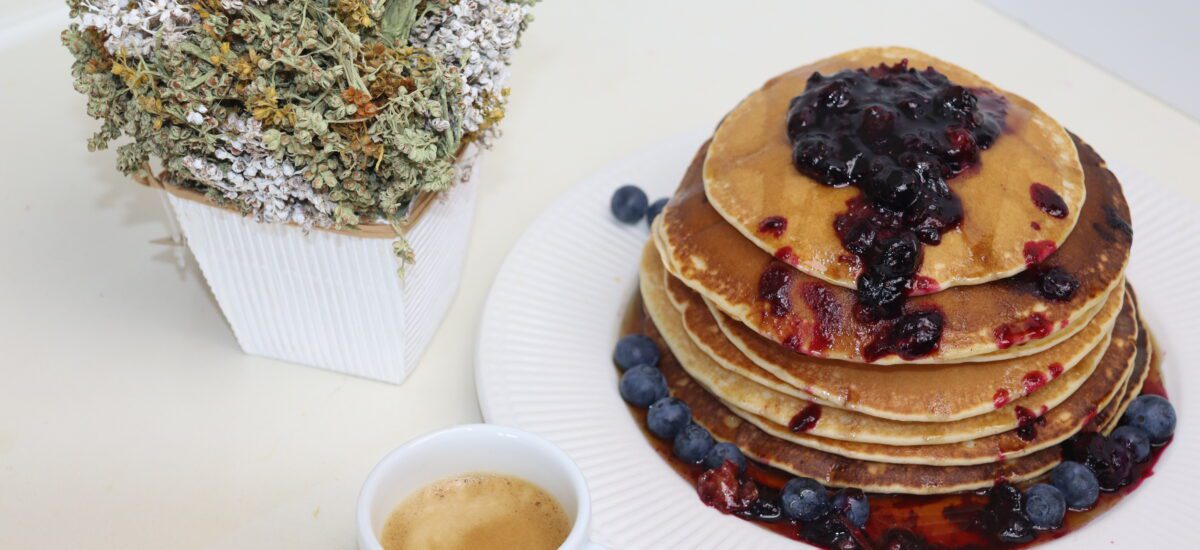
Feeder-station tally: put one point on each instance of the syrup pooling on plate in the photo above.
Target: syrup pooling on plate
(897, 134)
(988, 518)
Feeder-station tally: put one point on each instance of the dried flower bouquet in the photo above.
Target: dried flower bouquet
(327, 113)
(346, 116)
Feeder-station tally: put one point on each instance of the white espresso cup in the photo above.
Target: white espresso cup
(468, 449)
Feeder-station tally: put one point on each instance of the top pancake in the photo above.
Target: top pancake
(713, 258)
(749, 176)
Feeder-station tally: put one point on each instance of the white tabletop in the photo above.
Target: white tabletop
(129, 418)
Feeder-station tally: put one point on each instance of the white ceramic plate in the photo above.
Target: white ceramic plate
(543, 364)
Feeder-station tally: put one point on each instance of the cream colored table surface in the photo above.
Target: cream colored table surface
(130, 419)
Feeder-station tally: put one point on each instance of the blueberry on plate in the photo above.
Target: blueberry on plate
(655, 209)
(692, 443)
(1077, 483)
(629, 203)
(643, 385)
(1045, 506)
(635, 349)
(1133, 439)
(723, 452)
(1154, 415)
(804, 499)
(667, 417)
(853, 504)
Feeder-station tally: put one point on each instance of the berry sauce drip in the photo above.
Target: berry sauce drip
(1037, 251)
(1054, 283)
(827, 316)
(1028, 422)
(1001, 398)
(897, 134)
(773, 226)
(1049, 201)
(774, 287)
(914, 335)
(723, 489)
(1033, 381)
(1036, 327)
(806, 419)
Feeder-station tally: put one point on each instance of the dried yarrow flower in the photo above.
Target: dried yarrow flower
(479, 38)
(317, 112)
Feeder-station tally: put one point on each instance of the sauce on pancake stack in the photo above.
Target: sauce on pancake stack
(886, 274)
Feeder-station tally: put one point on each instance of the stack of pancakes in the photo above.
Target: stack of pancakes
(1014, 374)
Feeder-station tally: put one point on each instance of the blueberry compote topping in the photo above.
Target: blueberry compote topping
(1055, 283)
(773, 226)
(914, 335)
(806, 419)
(774, 286)
(898, 134)
(1046, 199)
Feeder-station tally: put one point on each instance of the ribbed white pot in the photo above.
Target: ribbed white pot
(333, 300)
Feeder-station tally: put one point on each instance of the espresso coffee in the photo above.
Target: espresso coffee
(477, 511)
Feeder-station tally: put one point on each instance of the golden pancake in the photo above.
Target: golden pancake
(749, 176)
(920, 393)
(1040, 429)
(1107, 420)
(836, 471)
(930, 393)
(834, 423)
(716, 260)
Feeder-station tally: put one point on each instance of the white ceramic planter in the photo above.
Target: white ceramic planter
(333, 300)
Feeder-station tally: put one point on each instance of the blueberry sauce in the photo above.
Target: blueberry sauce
(774, 287)
(723, 489)
(897, 134)
(1033, 381)
(773, 226)
(912, 336)
(1047, 200)
(1028, 422)
(806, 419)
(923, 285)
(1054, 283)
(786, 255)
(1001, 398)
(827, 316)
(1037, 251)
(1037, 326)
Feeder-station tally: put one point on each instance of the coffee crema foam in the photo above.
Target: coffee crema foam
(477, 511)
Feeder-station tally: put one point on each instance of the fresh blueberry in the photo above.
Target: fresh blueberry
(853, 504)
(1133, 439)
(692, 443)
(629, 203)
(643, 385)
(655, 209)
(1045, 506)
(804, 499)
(1077, 483)
(635, 349)
(722, 452)
(667, 417)
(1154, 415)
